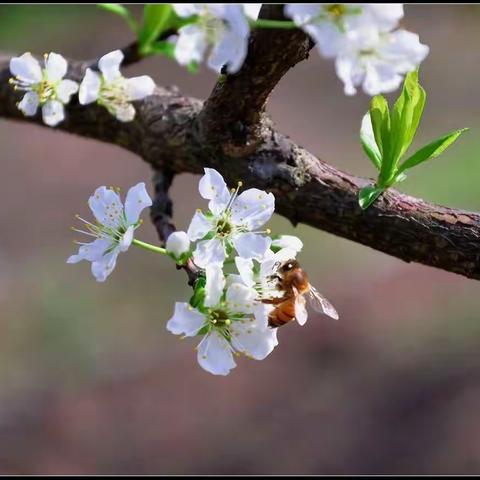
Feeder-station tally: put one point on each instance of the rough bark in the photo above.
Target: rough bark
(176, 134)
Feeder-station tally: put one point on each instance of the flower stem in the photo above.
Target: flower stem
(264, 23)
(148, 246)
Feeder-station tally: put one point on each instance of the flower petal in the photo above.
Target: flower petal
(127, 239)
(109, 65)
(137, 199)
(212, 187)
(199, 227)
(26, 68)
(252, 10)
(191, 44)
(254, 342)
(186, 9)
(91, 252)
(186, 320)
(302, 13)
(253, 208)
(231, 51)
(245, 269)
(385, 16)
(251, 245)
(209, 252)
(106, 206)
(53, 113)
(55, 66)
(240, 298)
(178, 243)
(123, 112)
(65, 89)
(89, 88)
(102, 268)
(214, 285)
(288, 241)
(214, 354)
(139, 87)
(29, 104)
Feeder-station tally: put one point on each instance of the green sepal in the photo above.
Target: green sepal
(204, 330)
(198, 297)
(368, 195)
(432, 150)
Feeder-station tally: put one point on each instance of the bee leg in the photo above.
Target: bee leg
(272, 301)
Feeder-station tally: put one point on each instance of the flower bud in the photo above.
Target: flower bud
(178, 243)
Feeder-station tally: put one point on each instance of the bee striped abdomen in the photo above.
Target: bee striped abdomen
(283, 313)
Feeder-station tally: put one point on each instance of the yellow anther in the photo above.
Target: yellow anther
(240, 184)
(214, 321)
(228, 321)
(232, 190)
(45, 55)
(268, 231)
(199, 210)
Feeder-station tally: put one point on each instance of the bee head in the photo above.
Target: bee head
(289, 266)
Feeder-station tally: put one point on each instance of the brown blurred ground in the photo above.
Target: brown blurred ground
(90, 380)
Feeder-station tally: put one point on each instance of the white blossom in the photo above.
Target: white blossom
(328, 23)
(377, 61)
(44, 87)
(232, 221)
(221, 27)
(178, 243)
(361, 39)
(230, 324)
(112, 90)
(113, 230)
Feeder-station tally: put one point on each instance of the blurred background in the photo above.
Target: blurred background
(91, 381)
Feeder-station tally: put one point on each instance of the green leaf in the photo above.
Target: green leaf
(406, 115)
(380, 123)
(368, 195)
(155, 20)
(432, 150)
(192, 67)
(367, 140)
(121, 11)
(163, 47)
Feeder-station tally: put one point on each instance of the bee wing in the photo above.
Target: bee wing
(301, 313)
(320, 304)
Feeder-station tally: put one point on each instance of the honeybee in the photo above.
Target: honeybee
(293, 282)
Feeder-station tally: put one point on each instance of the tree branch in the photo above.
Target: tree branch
(167, 133)
(239, 126)
(161, 215)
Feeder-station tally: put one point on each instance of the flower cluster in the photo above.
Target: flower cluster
(362, 39)
(239, 286)
(46, 87)
(232, 308)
